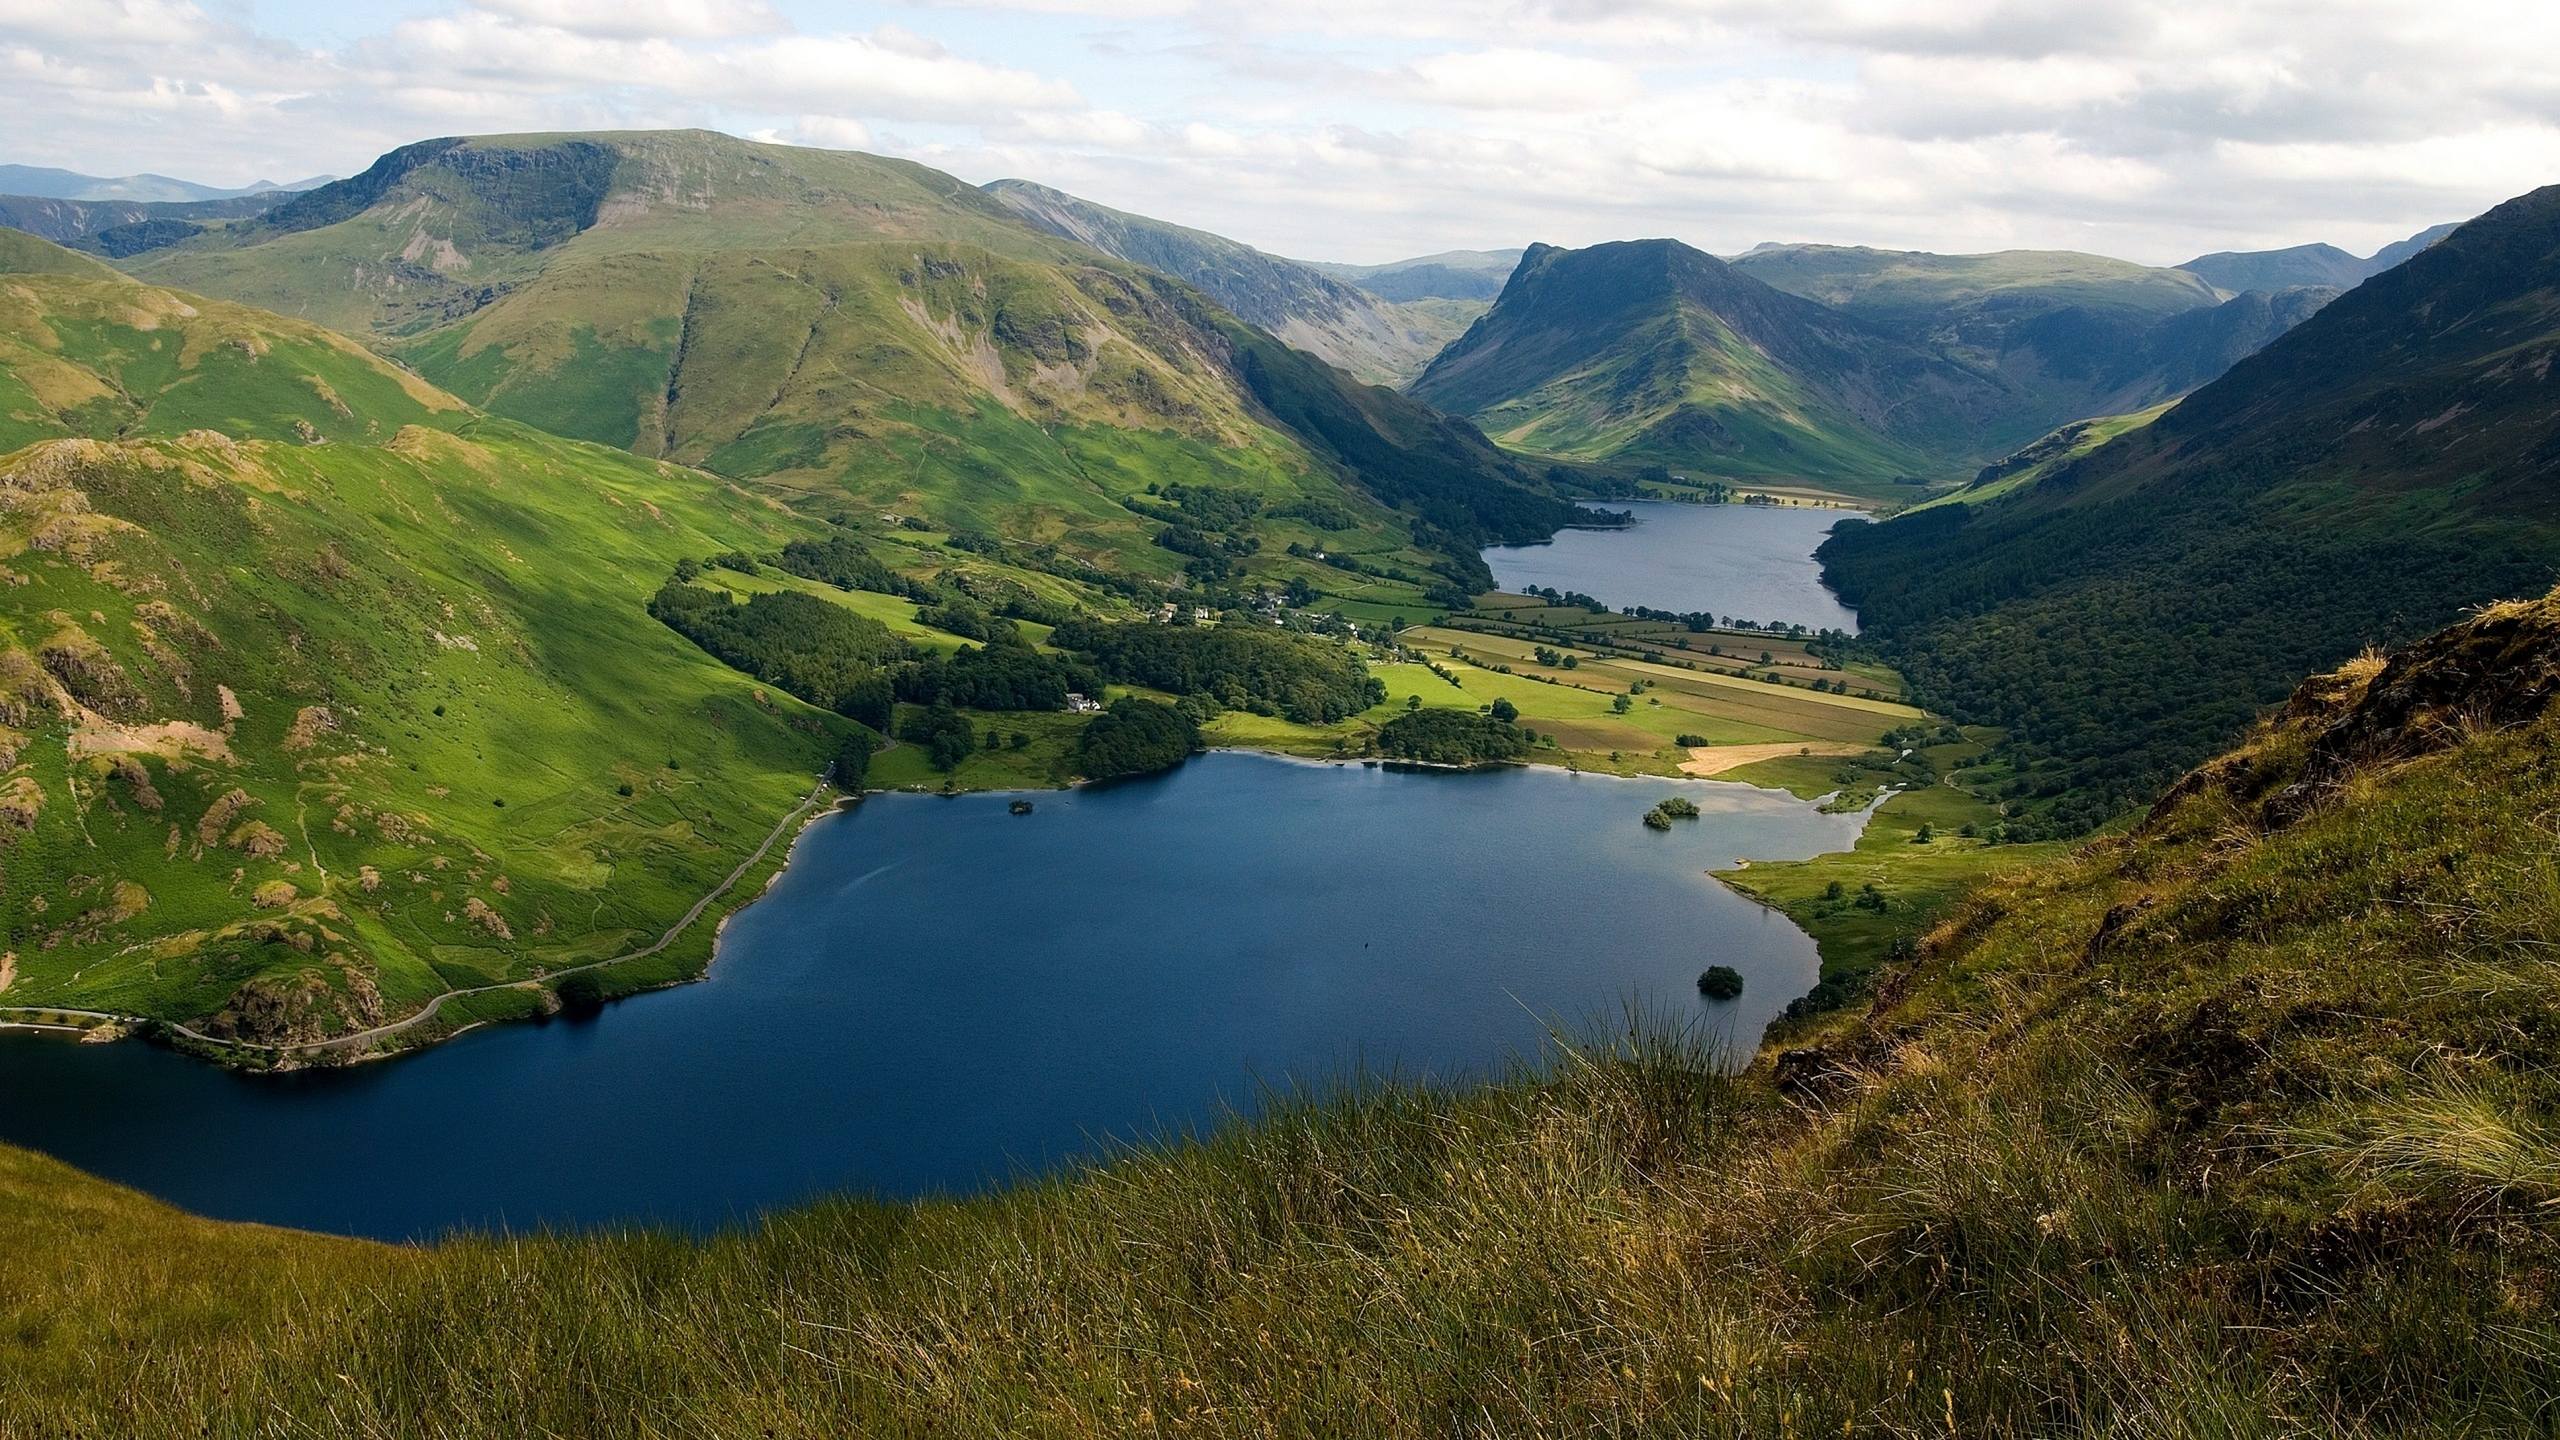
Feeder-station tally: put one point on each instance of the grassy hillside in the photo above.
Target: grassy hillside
(1651, 352)
(321, 694)
(85, 351)
(2236, 1125)
(862, 334)
(2361, 480)
(2031, 463)
(1377, 341)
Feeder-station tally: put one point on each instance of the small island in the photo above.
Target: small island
(1720, 982)
(1678, 807)
(1018, 807)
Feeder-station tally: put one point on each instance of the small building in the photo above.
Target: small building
(1081, 704)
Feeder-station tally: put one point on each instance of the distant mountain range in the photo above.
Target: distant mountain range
(1449, 275)
(44, 183)
(2232, 271)
(1850, 369)
(1706, 375)
(1651, 352)
(2361, 480)
(121, 228)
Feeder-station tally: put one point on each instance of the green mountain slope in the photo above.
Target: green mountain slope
(2236, 1125)
(85, 351)
(1376, 341)
(1650, 351)
(2360, 480)
(863, 333)
(321, 694)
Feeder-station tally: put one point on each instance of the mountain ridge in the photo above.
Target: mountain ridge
(1338, 323)
(2233, 271)
(47, 183)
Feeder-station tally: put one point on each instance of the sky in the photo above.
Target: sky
(1369, 130)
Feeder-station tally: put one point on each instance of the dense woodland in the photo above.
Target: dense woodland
(1135, 737)
(823, 653)
(1266, 670)
(1451, 737)
(2118, 644)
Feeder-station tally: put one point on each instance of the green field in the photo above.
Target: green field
(1866, 905)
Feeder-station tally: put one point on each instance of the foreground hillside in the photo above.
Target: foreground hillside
(2240, 1124)
(2359, 481)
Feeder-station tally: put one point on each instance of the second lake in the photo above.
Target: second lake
(1752, 562)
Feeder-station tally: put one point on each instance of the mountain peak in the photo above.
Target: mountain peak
(1654, 351)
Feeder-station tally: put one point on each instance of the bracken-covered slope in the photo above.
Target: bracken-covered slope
(860, 331)
(1651, 351)
(322, 694)
(2387, 463)
(2241, 1124)
(1379, 342)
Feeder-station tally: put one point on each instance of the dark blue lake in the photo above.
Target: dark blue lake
(938, 995)
(1753, 562)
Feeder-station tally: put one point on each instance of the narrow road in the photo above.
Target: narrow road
(427, 1012)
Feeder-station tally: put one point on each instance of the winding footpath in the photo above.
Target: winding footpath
(427, 1012)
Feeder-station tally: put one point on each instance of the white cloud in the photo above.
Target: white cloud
(640, 19)
(2151, 128)
(825, 132)
(1519, 80)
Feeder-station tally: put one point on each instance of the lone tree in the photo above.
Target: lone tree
(1504, 710)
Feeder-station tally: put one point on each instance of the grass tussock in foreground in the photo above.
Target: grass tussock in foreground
(2239, 1125)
